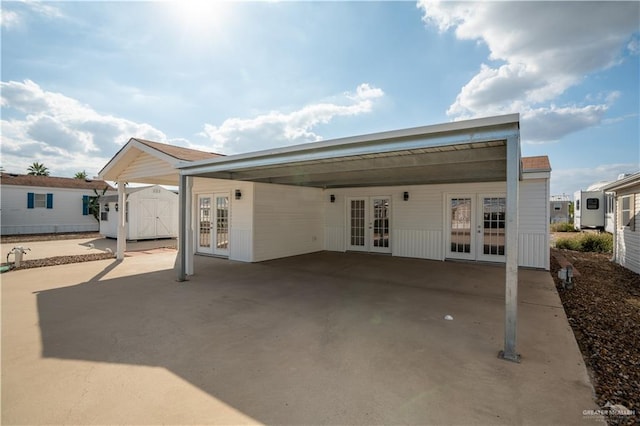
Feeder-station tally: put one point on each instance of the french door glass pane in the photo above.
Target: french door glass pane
(494, 225)
(357, 223)
(222, 222)
(461, 225)
(380, 223)
(205, 222)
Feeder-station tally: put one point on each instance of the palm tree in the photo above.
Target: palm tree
(38, 169)
(81, 175)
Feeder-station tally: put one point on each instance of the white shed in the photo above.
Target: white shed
(151, 212)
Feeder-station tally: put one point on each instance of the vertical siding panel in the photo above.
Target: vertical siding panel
(288, 221)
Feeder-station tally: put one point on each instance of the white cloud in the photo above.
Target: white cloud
(60, 131)
(276, 128)
(541, 50)
(10, 19)
(568, 181)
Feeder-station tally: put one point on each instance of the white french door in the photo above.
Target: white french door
(369, 221)
(213, 224)
(476, 227)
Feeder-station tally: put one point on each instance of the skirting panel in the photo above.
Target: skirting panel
(533, 250)
(425, 244)
(334, 239)
(240, 245)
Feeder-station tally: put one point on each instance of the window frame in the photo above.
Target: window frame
(628, 211)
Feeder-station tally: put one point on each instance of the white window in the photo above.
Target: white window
(40, 201)
(593, 204)
(626, 212)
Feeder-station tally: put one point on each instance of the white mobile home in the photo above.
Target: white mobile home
(366, 195)
(589, 209)
(559, 208)
(626, 249)
(47, 204)
(150, 212)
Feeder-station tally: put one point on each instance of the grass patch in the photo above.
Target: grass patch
(562, 227)
(588, 242)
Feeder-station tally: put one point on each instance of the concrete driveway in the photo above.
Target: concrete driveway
(326, 338)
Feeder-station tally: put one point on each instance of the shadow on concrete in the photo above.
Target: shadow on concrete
(323, 338)
(142, 245)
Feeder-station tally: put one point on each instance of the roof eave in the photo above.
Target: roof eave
(448, 134)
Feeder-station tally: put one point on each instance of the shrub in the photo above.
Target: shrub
(599, 243)
(563, 227)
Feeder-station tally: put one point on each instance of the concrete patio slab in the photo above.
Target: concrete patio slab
(326, 338)
(79, 246)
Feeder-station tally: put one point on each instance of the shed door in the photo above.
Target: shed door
(147, 218)
(165, 218)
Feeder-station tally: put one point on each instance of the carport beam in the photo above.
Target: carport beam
(511, 274)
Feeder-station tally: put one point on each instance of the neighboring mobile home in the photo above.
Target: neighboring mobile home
(151, 212)
(46, 204)
(589, 208)
(626, 235)
(559, 208)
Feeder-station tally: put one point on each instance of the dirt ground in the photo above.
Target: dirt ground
(603, 309)
(8, 239)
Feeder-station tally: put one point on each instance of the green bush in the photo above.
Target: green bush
(562, 227)
(599, 243)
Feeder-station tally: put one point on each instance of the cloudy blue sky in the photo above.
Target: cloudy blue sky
(80, 78)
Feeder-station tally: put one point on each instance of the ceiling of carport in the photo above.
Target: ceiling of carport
(469, 162)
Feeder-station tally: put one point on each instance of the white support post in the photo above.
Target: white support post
(189, 270)
(511, 276)
(182, 231)
(121, 245)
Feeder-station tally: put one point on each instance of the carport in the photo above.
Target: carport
(481, 150)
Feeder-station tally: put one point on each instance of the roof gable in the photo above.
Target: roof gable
(536, 164)
(53, 182)
(145, 161)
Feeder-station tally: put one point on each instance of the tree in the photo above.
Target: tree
(81, 175)
(38, 169)
(93, 203)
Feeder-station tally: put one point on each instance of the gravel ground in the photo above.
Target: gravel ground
(604, 311)
(8, 239)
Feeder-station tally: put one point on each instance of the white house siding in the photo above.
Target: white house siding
(65, 216)
(418, 226)
(628, 240)
(534, 233)
(240, 214)
(288, 220)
